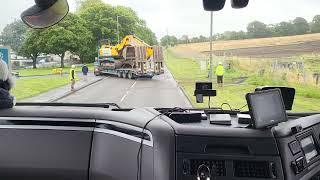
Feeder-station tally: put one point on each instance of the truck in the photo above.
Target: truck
(131, 58)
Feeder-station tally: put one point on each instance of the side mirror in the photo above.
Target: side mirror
(237, 4)
(45, 13)
(213, 5)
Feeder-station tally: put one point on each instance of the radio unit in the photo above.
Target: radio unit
(307, 147)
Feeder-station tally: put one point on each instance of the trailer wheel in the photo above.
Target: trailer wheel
(124, 75)
(119, 74)
(130, 75)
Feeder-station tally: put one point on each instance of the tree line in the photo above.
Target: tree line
(79, 33)
(255, 29)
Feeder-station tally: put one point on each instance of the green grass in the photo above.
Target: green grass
(30, 87)
(47, 71)
(187, 72)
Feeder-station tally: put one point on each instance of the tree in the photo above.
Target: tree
(184, 39)
(83, 38)
(202, 38)
(257, 29)
(301, 26)
(84, 4)
(284, 29)
(33, 46)
(13, 35)
(168, 40)
(101, 20)
(69, 35)
(233, 35)
(315, 24)
(144, 33)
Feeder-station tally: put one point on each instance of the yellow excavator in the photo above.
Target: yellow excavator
(131, 58)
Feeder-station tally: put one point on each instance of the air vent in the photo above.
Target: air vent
(217, 167)
(254, 169)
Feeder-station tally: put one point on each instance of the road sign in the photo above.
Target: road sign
(5, 55)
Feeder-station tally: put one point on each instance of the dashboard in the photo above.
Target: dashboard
(94, 144)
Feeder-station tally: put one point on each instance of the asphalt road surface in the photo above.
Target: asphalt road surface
(161, 91)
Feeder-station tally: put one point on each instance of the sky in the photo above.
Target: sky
(187, 17)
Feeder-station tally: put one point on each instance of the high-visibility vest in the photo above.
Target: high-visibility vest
(220, 70)
(70, 74)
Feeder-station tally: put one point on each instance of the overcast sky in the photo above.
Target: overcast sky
(182, 17)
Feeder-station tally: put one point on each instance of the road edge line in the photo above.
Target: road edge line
(72, 92)
(181, 89)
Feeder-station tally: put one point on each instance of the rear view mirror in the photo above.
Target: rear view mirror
(213, 5)
(45, 13)
(237, 4)
(217, 5)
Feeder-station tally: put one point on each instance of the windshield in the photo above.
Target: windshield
(143, 53)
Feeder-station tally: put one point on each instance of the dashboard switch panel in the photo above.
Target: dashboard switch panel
(295, 147)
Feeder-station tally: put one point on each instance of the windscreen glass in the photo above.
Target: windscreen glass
(151, 53)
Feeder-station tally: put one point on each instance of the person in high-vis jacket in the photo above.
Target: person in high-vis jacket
(72, 77)
(219, 72)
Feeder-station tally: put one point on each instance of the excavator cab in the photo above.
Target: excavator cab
(105, 48)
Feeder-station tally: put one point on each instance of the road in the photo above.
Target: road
(161, 91)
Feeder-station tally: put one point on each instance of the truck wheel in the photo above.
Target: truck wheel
(119, 74)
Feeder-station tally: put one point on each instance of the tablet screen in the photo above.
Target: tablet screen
(266, 108)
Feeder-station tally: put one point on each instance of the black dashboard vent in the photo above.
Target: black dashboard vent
(218, 167)
(254, 169)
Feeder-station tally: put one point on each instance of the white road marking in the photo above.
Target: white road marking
(133, 84)
(127, 93)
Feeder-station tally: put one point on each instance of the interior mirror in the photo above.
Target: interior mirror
(237, 4)
(45, 13)
(213, 5)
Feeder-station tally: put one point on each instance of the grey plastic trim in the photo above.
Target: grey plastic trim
(35, 127)
(126, 136)
(44, 119)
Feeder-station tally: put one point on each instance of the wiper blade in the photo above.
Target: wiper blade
(98, 105)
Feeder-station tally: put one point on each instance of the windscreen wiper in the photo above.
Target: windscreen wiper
(98, 105)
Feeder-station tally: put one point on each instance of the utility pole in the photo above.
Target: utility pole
(211, 39)
(167, 43)
(118, 32)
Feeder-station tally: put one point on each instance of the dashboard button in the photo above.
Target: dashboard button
(294, 147)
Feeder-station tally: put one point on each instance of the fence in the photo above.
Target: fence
(292, 70)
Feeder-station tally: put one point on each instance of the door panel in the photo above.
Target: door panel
(57, 150)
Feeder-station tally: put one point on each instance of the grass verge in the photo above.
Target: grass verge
(48, 71)
(26, 88)
(187, 72)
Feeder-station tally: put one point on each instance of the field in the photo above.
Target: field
(286, 61)
(274, 47)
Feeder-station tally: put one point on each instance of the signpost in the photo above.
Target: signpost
(5, 56)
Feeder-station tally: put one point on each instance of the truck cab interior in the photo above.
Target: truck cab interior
(105, 142)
